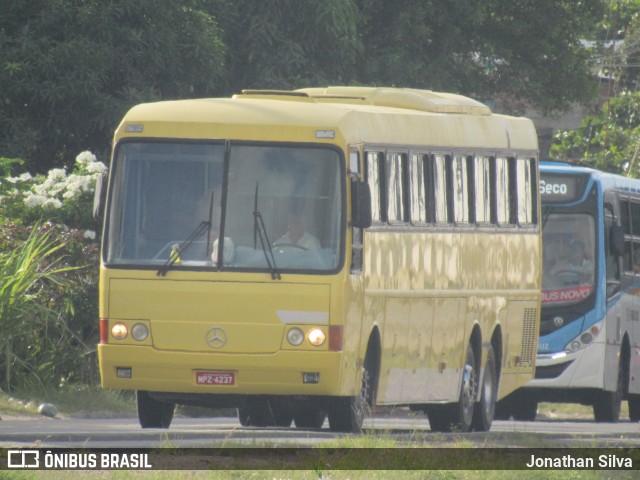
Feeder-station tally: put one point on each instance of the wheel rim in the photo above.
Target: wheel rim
(362, 401)
(468, 388)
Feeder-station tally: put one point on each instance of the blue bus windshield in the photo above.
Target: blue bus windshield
(569, 252)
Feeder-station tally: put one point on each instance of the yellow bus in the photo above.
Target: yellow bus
(314, 253)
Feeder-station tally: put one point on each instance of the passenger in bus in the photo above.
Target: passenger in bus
(576, 268)
(297, 235)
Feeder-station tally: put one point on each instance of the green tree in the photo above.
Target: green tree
(619, 47)
(609, 140)
(285, 44)
(70, 69)
(517, 51)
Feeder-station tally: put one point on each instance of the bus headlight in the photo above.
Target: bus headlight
(585, 338)
(119, 331)
(295, 336)
(316, 337)
(139, 332)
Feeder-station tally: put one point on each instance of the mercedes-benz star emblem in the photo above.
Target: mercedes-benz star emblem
(216, 337)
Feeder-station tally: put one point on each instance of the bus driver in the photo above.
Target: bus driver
(297, 236)
(576, 268)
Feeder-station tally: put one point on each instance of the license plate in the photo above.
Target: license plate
(215, 378)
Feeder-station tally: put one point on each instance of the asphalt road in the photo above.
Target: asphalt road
(407, 430)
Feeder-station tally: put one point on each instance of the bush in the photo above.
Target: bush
(48, 276)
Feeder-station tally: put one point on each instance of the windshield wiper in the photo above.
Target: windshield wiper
(266, 246)
(176, 250)
(183, 246)
(261, 231)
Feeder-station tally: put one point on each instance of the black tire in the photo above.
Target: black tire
(311, 418)
(524, 409)
(458, 416)
(484, 409)
(634, 407)
(153, 413)
(347, 414)
(606, 405)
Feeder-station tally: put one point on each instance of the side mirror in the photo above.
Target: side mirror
(360, 204)
(99, 196)
(616, 240)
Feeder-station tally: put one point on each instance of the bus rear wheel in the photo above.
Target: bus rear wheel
(153, 413)
(485, 407)
(458, 416)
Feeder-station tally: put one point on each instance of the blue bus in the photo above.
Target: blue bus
(589, 343)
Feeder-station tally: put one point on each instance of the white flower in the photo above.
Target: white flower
(96, 167)
(85, 158)
(52, 202)
(90, 234)
(25, 177)
(34, 200)
(56, 174)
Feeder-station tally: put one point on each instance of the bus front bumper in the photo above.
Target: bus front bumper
(582, 369)
(282, 373)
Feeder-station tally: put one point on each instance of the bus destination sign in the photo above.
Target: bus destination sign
(556, 188)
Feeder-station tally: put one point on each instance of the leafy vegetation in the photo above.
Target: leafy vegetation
(69, 70)
(48, 277)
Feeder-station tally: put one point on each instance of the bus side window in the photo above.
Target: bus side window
(614, 247)
(625, 222)
(460, 190)
(418, 189)
(374, 177)
(635, 235)
(396, 192)
(482, 176)
(525, 191)
(356, 233)
(503, 191)
(440, 187)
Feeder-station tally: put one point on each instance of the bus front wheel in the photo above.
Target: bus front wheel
(606, 405)
(347, 414)
(153, 413)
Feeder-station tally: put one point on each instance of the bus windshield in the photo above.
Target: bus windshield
(569, 257)
(183, 205)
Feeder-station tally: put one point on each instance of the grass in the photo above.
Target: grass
(331, 475)
(75, 401)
